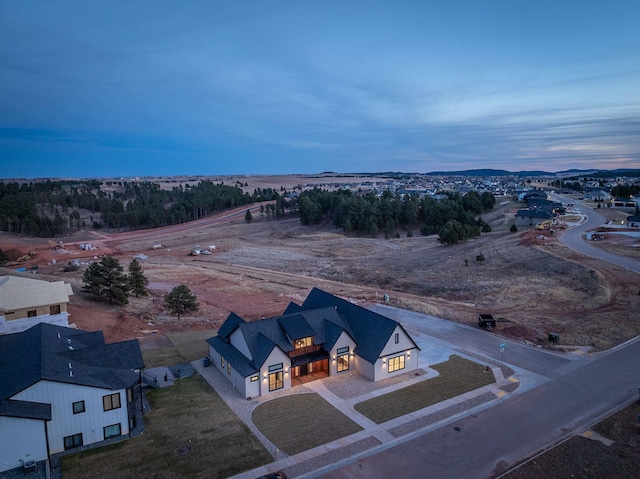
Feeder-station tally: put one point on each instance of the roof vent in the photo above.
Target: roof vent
(70, 374)
(58, 335)
(69, 365)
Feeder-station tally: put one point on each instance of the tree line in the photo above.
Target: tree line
(53, 208)
(455, 218)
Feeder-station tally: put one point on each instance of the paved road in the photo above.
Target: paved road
(492, 440)
(564, 393)
(487, 443)
(572, 238)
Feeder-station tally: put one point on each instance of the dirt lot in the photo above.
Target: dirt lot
(528, 280)
(588, 456)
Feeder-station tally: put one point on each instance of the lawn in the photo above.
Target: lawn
(301, 421)
(187, 346)
(457, 376)
(189, 433)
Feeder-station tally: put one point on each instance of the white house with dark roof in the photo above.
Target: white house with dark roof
(323, 337)
(25, 302)
(63, 388)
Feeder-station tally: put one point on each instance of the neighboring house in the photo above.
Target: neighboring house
(532, 217)
(323, 337)
(64, 388)
(633, 221)
(597, 195)
(532, 195)
(25, 302)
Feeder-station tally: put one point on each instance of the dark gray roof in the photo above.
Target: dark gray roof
(370, 330)
(25, 409)
(322, 316)
(239, 361)
(534, 214)
(292, 308)
(56, 353)
(230, 324)
(264, 335)
(296, 327)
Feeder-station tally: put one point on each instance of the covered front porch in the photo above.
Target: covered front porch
(309, 367)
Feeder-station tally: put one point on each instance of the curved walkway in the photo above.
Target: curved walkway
(343, 392)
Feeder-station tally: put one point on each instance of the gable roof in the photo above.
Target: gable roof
(295, 327)
(264, 335)
(229, 326)
(370, 330)
(56, 353)
(19, 293)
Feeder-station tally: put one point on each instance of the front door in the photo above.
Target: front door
(303, 369)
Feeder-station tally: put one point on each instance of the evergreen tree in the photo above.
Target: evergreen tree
(106, 281)
(3, 257)
(514, 228)
(248, 217)
(137, 280)
(181, 300)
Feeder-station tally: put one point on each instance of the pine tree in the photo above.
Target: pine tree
(248, 217)
(181, 300)
(106, 281)
(137, 280)
(3, 257)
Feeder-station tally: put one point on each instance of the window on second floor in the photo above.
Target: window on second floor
(55, 309)
(302, 342)
(32, 313)
(78, 407)
(111, 401)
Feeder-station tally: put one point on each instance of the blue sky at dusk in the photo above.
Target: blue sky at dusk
(103, 89)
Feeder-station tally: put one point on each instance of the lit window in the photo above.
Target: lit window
(397, 363)
(343, 362)
(303, 342)
(73, 441)
(276, 381)
(111, 401)
(112, 431)
(78, 407)
(254, 378)
(221, 362)
(228, 367)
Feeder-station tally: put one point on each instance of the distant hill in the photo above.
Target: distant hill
(572, 172)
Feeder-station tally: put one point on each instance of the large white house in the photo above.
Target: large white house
(25, 302)
(63, 388)
(325, 336)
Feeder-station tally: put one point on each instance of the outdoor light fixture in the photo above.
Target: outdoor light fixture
(384, 360)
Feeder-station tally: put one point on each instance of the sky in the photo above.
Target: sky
(122, 89)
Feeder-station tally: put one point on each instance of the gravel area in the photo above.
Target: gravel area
(332, 457)
(445, 413)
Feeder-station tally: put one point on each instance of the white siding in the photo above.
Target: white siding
(64, 423)
(405, 346)
(275, 357)
(365, 368)
(18, 325)
(343, 341)
(237, 341)
(21, 439)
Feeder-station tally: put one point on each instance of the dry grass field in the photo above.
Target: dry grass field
(528, 279)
